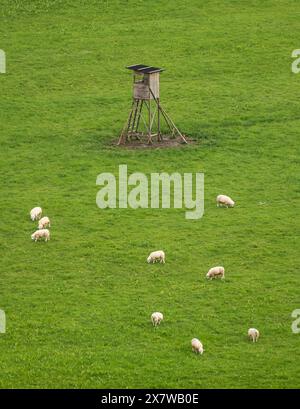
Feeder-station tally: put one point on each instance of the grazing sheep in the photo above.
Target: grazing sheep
(43, 233)
(197, 346)
(156, 318)
(223, 200)
(216, 272)
(35, 213)
(156, 256)
(44, 222)
(253, 334)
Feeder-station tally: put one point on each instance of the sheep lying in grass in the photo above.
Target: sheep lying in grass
(156, 318)
(253, 334)
(156, 256)
(39, 234)
(223, 200)
(44, 222)
(35, 213)
(197, 346)
(215, 272)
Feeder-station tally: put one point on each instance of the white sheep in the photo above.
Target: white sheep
(197, 346)
(223, 200)
(156, 318)
(44, 222)
(253, 334)
(214, 272)
(156, 256)
(35, 213)
(43, 233)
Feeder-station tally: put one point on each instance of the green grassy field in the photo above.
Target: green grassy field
(78, 308)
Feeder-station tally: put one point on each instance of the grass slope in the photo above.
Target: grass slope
(78, 308)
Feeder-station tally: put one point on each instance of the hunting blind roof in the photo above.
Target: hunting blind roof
(144, 69)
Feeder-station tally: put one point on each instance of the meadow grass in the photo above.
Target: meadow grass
(78, 307)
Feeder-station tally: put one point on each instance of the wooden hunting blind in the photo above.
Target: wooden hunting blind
(146, 112)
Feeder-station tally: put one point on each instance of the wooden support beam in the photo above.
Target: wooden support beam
(135, 115)
(139, 116)
(123, 136)
(151, 123)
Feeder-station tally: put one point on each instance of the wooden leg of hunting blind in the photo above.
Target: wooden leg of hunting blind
(150, 125)
(174, 126)
(136, 128)
(135, 116)
(139, 117)
(158, 115)
(124, 135)
(129, 128)
(153, 118)
(121, 138)
(159, 137)
(168, 120)
(145, 123)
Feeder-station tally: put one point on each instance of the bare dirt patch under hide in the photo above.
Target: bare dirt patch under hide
(166, 143)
